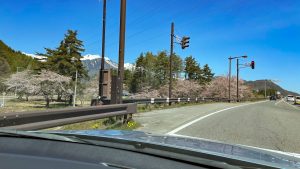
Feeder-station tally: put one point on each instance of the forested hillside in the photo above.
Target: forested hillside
(15, 59)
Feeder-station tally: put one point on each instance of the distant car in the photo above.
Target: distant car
(272, 97)
(297, 100)
(290, 98)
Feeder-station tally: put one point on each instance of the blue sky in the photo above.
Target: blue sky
(268, 31)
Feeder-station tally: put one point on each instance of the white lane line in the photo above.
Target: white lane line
(203, 117)
(276, 151)
(291, 105)
(278, 102)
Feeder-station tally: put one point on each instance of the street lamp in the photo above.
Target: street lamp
(229, 76)
(75, 88)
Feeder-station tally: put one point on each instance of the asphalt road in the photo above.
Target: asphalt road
(269, 124)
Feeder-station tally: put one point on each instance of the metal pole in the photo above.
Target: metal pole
(237, 80)
(74, 98)
(171, 62)
(121, 50)
(101, 73)
(265, 88)
(229, 80)
(3, 104)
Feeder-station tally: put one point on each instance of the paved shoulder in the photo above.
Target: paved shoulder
(266, 125)
(163, 121)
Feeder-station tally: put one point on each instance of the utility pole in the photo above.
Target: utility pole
(171, 62)
(265, 88)
(101, 72)
(229, 80)
(121, 50)
(237, 80)
(75, 88)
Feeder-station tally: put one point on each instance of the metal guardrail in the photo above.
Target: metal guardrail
(180, 100)
(36, 120)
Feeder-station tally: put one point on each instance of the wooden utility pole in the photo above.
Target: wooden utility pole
(121, 50)
(237, 80)
(229, 80)
(101, 72)
(171, 61)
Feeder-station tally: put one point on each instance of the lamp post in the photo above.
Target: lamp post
(229, 78)
(75, 88)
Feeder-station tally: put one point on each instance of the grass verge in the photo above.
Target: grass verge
(101, 124)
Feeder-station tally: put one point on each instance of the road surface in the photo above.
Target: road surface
(267, 124)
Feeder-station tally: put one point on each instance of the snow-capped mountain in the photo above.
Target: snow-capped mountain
(38, 57)
(91, 62)
(112, 64)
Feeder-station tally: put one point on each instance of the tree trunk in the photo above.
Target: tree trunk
(71, 100)
(59, 96)
(27, 97)
(47, 101)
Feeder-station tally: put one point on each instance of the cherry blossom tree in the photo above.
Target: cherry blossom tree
(50, 83)
(22, 83)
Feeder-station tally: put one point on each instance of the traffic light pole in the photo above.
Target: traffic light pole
(101, 73)
(265, 88)
(171, 62)
(121, 51)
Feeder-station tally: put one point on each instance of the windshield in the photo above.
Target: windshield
(212, 70)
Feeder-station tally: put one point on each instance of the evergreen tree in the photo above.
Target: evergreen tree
(138, 77)
(161, 69)
(177, 66)
(207, 74)
(192, 69)
(4, 67)
(65, 59)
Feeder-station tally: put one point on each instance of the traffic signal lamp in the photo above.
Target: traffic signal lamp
(185, 42)
(252, 64)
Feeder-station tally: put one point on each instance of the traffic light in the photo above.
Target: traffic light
(252, 64)
(185, 42)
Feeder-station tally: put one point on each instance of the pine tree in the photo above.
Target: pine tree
(65, 59)
(138, 77)
(192, 69)
(162, 68)
(207, 74)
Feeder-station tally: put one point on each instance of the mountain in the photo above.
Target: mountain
(16, 59)
(260, 85)
(36, 57)
(93, 63)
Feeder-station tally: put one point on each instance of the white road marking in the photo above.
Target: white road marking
(276, 151)
(203, 117)
(291, 105)
(278, 102)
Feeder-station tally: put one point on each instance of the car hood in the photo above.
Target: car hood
(240, 152)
